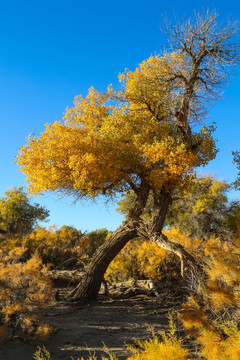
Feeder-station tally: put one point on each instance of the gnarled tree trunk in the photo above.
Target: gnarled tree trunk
(152, 231)
(132, 227)
(90, 284)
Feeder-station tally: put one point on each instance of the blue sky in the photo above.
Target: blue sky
(53, 50)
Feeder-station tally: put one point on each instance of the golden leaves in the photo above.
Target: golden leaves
(25, 291)
(149, 87)
(107, 140)
(138, 258)
(170, 348)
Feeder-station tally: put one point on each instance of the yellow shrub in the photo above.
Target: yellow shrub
(154, 349)
(214, 347)
(223, 270)
(213, 313)
(193, 316)
(141, 259)
(63, 249)
(194, 246)
(138, 260)
(24, 293)
(42, 354)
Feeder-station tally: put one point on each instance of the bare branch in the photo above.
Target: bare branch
(210, 56)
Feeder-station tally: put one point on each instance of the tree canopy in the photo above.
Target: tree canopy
(109, 141)
(17, 215)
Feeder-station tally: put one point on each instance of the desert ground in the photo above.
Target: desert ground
(80, 330)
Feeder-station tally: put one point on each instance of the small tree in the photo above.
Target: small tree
(17, 215)
(138, 138)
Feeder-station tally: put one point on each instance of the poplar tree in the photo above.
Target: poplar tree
(148, 136)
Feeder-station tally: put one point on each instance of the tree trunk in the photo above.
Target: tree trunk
(132, 227)
(152, 231)
(187, 260)
(90, 283)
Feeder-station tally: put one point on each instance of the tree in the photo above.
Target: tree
(95, 239)
(206, 210)
(138, 138)
(17, 215)
(201, 211)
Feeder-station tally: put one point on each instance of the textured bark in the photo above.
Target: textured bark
(90, 284)
(161, 202)
(187, 260)
(65, 277)
(152, 231)
(132, 227)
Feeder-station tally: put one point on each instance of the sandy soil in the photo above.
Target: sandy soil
(80, 330)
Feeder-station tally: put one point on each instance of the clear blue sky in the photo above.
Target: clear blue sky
(53, 50)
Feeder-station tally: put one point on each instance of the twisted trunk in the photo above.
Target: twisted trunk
(187, 260)
(152, 231)
(90, 284)
(132, 227)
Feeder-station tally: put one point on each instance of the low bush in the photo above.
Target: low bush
(211, 316)
(25, 293)
(170, 348)
(138, 260)
(141, 259)
(64, 249)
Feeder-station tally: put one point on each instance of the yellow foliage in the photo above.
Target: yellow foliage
(194, 246)
(146, 83)
(43, 331)
(42, 354)
(215, 190)
(220, 294)
(221, 264)
(138, 259)
(64, 248)
(144, 260)
(101, 144)
(224, 261)
(223, 274)
(213, 314)
(170, 348)
(25, 292)
(214, 347)
(193, 315)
